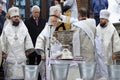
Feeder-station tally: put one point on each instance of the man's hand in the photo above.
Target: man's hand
(27, 53)
(61, 1)
(114, 56)
(4, 56)
(43, 58)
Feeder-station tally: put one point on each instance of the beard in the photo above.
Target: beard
(15, 23)
(103, 25)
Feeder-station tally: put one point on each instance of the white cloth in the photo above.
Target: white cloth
(15, 49)
(114, 9)
(74, 9)
(110, 41)
(83, 38)
(101, 67)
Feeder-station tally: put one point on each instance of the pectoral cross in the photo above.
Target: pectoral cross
(15, 37)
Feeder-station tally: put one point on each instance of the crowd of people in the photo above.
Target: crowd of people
(29, 42)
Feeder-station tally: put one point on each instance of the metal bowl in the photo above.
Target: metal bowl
(65, 36)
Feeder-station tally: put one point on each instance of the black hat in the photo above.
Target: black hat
(65, 8)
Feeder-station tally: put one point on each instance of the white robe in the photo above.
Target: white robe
(110, 41)
(15, 49)
(83, 41)
(43, 44)
(101, 67)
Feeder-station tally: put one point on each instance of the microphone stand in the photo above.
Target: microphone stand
(49, 42)
(48, 76)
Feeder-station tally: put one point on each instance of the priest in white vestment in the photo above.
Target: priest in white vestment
(109, 37)
(16, 45)
(83, 39)
(88, 45)
(85, 42)
(43, 44)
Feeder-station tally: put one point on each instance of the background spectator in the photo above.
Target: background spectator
(96, 6)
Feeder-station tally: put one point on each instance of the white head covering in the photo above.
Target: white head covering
(53, 9)
(14, 11)
(104, 14)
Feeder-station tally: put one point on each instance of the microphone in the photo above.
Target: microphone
(49, 48)
(50, 26)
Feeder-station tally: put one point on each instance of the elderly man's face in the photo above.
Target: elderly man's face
(15, 20)
(36, 13)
